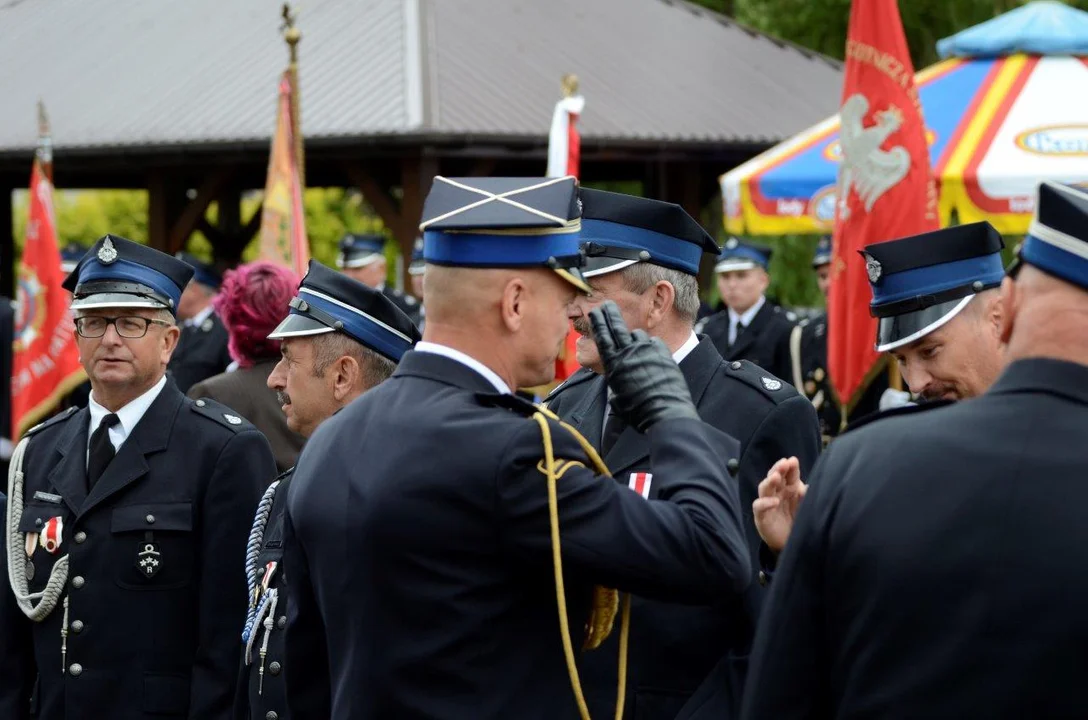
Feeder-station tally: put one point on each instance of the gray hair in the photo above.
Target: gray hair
(642, 276)
(330, 347)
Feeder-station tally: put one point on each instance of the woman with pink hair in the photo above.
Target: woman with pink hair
(252, 301)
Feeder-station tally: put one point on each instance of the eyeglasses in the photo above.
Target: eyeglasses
(128, 326)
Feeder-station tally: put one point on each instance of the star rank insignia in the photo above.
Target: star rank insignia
(149, 559)
(771, 383)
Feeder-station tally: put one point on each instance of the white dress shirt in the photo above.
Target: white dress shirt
(746, 318)
(129, 415)
(490, 375)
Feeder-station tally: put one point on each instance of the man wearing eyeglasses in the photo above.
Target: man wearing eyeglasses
(127, 524)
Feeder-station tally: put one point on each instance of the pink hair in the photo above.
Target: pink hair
(251, 302)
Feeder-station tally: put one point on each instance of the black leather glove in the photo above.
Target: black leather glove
(646, 383)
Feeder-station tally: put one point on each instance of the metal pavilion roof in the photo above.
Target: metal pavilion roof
(128, 74)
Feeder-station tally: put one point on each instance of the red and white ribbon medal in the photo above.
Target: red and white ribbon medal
(52, 535)
(640, 483)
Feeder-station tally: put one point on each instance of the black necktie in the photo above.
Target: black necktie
(613, 427)
(740, 328)
(102, 451)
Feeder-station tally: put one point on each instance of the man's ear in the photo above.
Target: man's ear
(512, 304)
(1009, 302)
(662, 297)
(345, 377)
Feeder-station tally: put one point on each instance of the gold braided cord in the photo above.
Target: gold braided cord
(605, 600)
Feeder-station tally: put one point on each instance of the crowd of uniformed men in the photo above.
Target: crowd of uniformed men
(660, 538)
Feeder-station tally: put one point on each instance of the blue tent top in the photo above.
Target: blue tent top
(1045, 27)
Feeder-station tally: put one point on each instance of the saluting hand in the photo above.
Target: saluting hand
(647, 384)
(780, 496)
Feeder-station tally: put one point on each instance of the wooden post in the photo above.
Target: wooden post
(162, 209)
(7, 243)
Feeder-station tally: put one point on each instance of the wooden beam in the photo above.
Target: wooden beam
(379, 197)
(183, 227)
(7, 243)
(483, 167)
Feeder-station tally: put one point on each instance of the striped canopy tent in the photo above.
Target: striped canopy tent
(1006, 108)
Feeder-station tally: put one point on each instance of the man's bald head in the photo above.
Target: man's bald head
(1044, 317)
(514, 317)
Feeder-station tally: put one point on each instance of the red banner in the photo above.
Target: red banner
(45, 359)
(886, 188)
(283, 220)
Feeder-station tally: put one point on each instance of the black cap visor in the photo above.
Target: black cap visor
(896, 331)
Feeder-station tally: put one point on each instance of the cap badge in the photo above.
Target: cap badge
(731, 244)
(233, 419)
(872, 267)
(107, 253)
(771, 383)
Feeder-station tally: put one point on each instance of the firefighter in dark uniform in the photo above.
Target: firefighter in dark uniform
(435, 523)
(644, 255)
(808, 351)
(750, 327)
(362, 258)
(947, 340)
(948, 586)
(127, 524)
(318, 375)
(202, 347)
(415, 272)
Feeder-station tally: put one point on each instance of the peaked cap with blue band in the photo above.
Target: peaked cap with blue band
(119, 273)
(360, 250)
(329, 301)
(70, 255)
(203, 273)
(504, 223)
(737, 255)
(418, 264)
(620, 230)
(1057, 240)
(822, 254)
(921, 282)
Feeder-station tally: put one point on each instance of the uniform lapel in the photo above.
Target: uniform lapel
(631, 449)
(587, 415)
(748, 336)
(151, 434)
(69, 476)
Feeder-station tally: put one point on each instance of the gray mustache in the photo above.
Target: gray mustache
(283, 398)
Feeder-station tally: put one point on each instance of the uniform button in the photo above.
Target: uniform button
(282, 622)
(77, 582)
(271, 715)
(38, 522)
(763, 579)
(274, 668)
(75, 669)
(736, 365)
(81, 537)
(200, 403)
(77, 626)
(150, 519)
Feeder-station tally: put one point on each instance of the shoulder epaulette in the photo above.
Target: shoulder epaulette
(507, 401)
(61, 417)
(773, 388)
(221, 414)
(582, 375)
(900, 411)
